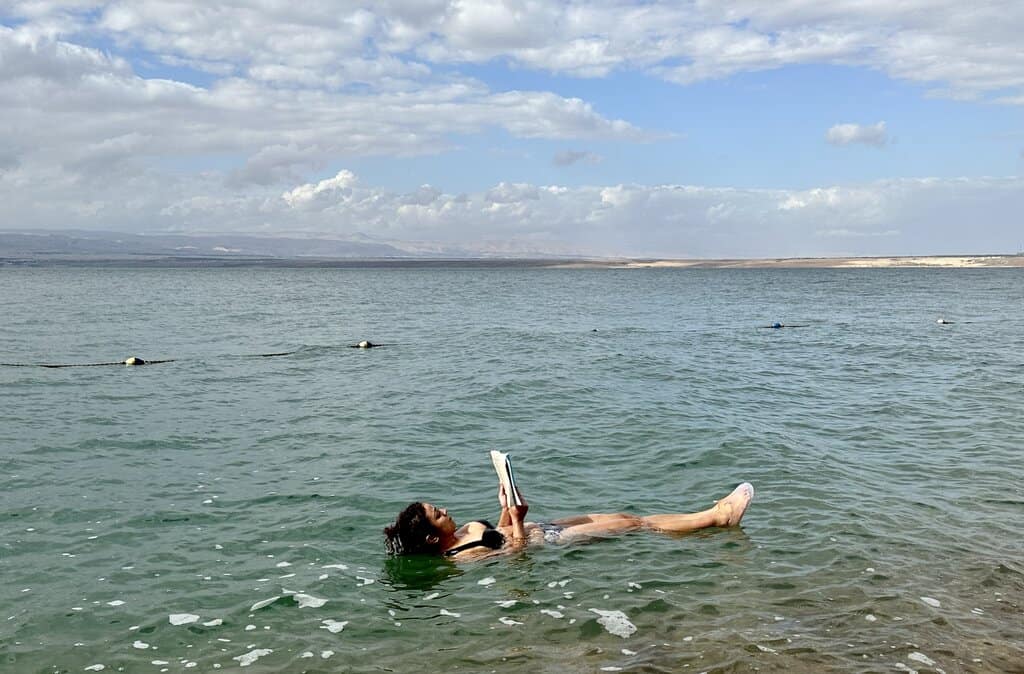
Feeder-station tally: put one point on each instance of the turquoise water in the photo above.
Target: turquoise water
(885, 449)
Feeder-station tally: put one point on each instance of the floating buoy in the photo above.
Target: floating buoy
(943, 321)
(134, 360)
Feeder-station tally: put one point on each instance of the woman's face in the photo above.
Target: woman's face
(440, 518)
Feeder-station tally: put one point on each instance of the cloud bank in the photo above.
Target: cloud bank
(185, 116)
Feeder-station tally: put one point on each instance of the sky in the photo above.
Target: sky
(640, 128)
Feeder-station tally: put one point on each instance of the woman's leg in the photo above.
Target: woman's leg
(725, 513)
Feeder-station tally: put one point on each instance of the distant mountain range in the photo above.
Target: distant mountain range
(22, 246)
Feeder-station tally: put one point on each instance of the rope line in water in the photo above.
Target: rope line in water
(135, 361)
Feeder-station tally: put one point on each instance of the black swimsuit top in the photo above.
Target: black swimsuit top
(490, 538)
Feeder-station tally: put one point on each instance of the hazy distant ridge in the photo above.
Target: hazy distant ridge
(93, 244)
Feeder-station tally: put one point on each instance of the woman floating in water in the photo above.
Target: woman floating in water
(423, 528)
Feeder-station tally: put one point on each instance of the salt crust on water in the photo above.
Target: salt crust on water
(921, 657)
(265, 602)
(931, 601)
(333, 626)
(452, 614)
(182, 618)
(309, 601)
(489, 580)
(252, 656)
(504, 620)
(303, 600)
(616, 622)
(95, 668)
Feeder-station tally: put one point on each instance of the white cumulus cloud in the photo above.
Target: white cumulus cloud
(847, 134)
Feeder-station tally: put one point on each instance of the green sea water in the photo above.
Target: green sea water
(225, 509)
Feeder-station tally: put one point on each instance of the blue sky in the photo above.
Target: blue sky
(516, 127)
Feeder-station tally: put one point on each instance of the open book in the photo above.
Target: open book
(503, 467)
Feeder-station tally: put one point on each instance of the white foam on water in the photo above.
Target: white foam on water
(282, 565)
(870, 618)
(931, 601)
(615, 622)
(250, 628)
(252, 656)
(765, 649)
(489, 580)
(342, 567)
(208, 501)
(635, 586)
(213, 623)
(309, 601)
(508, 603)
(159, 662)
(611, 668)
(306, 654)
(553, 583)
(922, 658)
(323, 576)
(287, 575)
(182, 618)
(141, 645)
(558, 615)
(508, 621)
(116, 602)
(453, 614)
(432, 595)
(564, 582)
(264, 602)
(333, 626)
(366, 581)
(977, 611)
(95, 668)
(326, 654)
(262, 580)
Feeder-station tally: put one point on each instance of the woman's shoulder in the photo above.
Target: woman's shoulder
(474, 528)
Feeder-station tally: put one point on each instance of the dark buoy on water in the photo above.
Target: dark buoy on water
(134, 360)
(943, 321)
(779, 326)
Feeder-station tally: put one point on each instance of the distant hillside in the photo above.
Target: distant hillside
(118, 245)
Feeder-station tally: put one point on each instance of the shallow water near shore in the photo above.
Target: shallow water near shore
(224, 510)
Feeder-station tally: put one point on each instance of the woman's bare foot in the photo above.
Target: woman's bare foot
(729, 511)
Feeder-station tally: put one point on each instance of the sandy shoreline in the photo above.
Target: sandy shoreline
(948, 261)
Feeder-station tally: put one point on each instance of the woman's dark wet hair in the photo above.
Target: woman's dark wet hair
(408, 535)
